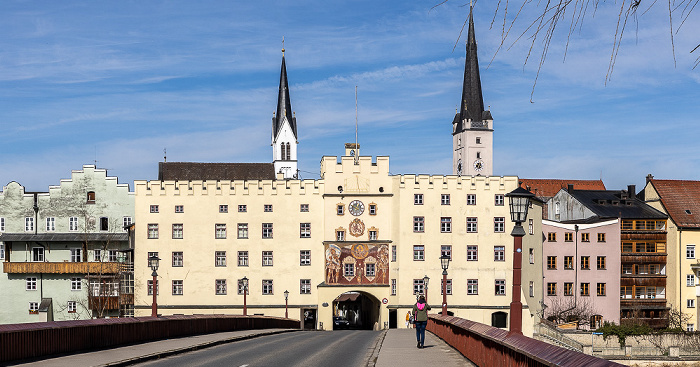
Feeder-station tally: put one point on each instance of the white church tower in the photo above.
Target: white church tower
(472, 127)
(284, 131)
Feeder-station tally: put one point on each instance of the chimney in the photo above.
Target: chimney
(631, 192)
(570, 188)
(649, 177)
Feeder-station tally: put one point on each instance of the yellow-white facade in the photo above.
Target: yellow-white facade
(355, 231)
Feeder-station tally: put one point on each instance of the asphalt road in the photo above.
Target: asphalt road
(308, 348)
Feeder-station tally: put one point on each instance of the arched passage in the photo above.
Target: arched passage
(356, 310)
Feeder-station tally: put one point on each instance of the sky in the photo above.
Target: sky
(115, 83)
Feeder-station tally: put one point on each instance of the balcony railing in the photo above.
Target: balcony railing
(60, 268)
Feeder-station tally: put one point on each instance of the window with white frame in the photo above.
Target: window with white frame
(220, 231)
(498, 200)
(72, 307)
(223, 208)
(76, 255)
(304, 286)
(112, 255)
(242, 208)
(446, 224)
(305, 257)
(150, 287)
(349, 270)
(177, 231)
(304, 208)
(267, 286)
(28, 224)
(372, 233)
(418, 286)
(418, 253)
(154, 208)
(241, 286)
(242, 258)
(690, 251)
(126, 221)
(178, 259)
(372, 209)
(471, 199)
(446, 250)
(76, 284)
(30, 284)
(340, 209)
(530, 226)
(37, 254)
(393, 253)
(73, 224)
(50, 224)
(418, 224)
(97, 255)
(690, 327)
(219, 258)
(33, 307)
(179, 208)
(472, 224)
(267, 258)
(178, 288)
(690, 303)
(370, 269)
(417, 199)
(153, 231)
(690, 280)
(499, 253)
(267, 230)
(472, 253)
(340, 235)
(445, 199)
(304, 230)
(242, 230)
(472, 286)
(500, 287)
(267, 208)
(499, 224)
(220, 287)
(447, 287)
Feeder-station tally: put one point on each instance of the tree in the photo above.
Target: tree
(569, 309)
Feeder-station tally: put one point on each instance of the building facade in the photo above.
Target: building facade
(65, 252)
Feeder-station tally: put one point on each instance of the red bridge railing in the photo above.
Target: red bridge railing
(33, 340)
(489, 346)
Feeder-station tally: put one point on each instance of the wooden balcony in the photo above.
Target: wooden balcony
(643, 303)
(643, 258)
(126, 299)
(60, 268)
(643, 280)
(643, 236)
(104, 303)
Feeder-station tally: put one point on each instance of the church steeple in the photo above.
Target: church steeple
(284, 130)
(472, 103)
(284, 104)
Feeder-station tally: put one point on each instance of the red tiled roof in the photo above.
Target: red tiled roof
(547, 188)
(678, 198)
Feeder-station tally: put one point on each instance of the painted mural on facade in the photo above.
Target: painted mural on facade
(357, 263)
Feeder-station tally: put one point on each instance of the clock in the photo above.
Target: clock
(356, 207)
(478, 165)
(459, 167)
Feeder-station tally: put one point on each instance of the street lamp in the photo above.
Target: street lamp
(426, 279)
(153, 262)
(519, 202)
(445, 263)
(286, 304)
(244, 283)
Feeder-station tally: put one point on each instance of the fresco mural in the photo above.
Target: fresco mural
(357, 263)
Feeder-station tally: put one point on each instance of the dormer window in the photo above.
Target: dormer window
(91, 197)
(687, 211)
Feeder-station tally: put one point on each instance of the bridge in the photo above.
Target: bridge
(260, 340)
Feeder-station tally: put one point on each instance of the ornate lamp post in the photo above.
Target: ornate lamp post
(286, 304)
(153, 262)
(426, 279)
(244, 282)
(445, 263)
(519, 202)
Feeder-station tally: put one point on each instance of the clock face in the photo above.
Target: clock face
(356, 207)
(478, 165)
(459, 167)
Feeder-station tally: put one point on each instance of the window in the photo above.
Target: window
(472, 253)
(150, 288)
(418, 286)
(2, 224)
(532, 288)
(30, 284)
(690, 327)
(446, 250)
(126, 221)
(471, 199)
(418, 224)
(499, 253)
(585, 289)
(177, 231)
(91, 197)
(372, 234)
(349, 270)
(50, 224)
(340, 209)
(112, 255)
(340, 235)
(568, 262)
(267, 230)
(472, 224)
(242, 258)
(2, 250)
(690, 252)
(448, 286)
(446, 224)
(500, 287)
(220, 287)
(417, 199)
(393, 287)
(532, 255)
(600, 289)
(224, 208)
(33, 307)
(242, 230)
(690, 280)
(73, 223)
(370, 269)
(76, 255)
(305, 257)
(220, 258)
(585, 262)
(304, 208)
(585, 237)
(179, 208)
(568, 289)
(472, 286)
(220, 231)
(154, 208)
(304, 286)
(267, 208)
(690, 303)
(38, 254)
(72, 307)
(267, 286)
(551, 237)
(445, 199)
(499, 200)
(267, 258)
(568, 237)
(76, 284)
(393, 253)
(242, 208)
(478, 141)
(153, 231)
(601, 237)
(28, 224)
(104, 224)
(600, 263)
(304, 230)
(551, 289)
(530, 226)
(418, 253)
(178, 288)
(551, 262)
(499, 224)
(372, 209)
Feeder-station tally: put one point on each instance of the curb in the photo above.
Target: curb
(372, 358)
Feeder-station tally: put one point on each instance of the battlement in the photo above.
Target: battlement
(227, 187)
(454, 182)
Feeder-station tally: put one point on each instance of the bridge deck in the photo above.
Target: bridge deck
(399, 349)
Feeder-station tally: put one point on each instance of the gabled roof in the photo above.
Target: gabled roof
(616, 204)
(681, 199)
(284, 105)
(547, 188)
(191, 171)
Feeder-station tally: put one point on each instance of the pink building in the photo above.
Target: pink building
(581, 274)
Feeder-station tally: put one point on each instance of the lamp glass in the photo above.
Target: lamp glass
(519, 202)
(286, 294)
(444, 262)
(153, 262)
(426, 279)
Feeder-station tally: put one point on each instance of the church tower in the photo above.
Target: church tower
(472, 127)
(284, 131)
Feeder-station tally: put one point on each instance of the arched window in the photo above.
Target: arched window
(91, 197)
(499, 319)
(284, 151)
(289, 154)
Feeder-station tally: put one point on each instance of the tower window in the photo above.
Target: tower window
(289, 154)
(478, 155)
(284, 151)
(478, 140)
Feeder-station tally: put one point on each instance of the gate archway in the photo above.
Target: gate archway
(361, 310)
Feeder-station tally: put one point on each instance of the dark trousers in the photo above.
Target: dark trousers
(420, 331)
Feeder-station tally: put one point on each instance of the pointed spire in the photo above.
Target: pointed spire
(472, 104)
(284, 104)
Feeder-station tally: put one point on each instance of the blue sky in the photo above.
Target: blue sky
(118, 82)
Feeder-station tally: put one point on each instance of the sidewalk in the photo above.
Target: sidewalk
(399, 349)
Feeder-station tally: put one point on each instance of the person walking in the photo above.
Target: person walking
(408, 318)
(420, 315)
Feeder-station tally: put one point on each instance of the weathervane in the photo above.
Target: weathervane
(282, 45)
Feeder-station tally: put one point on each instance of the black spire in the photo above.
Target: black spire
(284, 104)
(472, 103)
